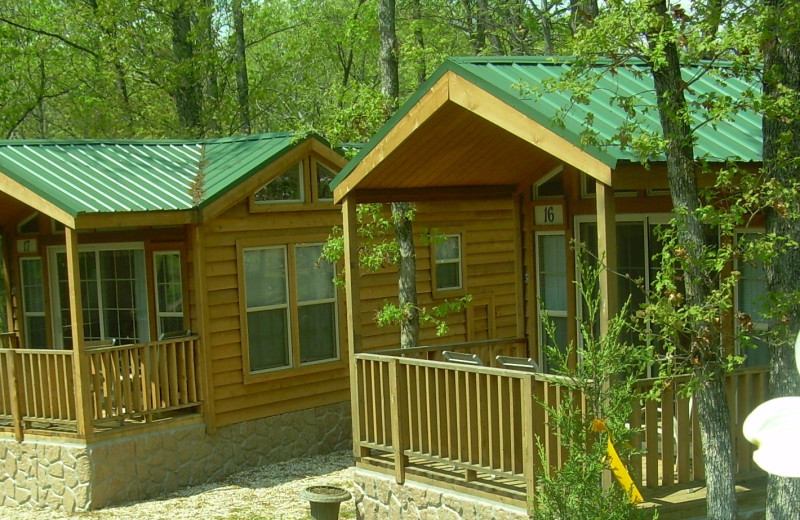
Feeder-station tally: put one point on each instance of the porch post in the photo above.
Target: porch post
(607, 251)
(5, 261)
(353, 296)
(203, 320)
(80, 360)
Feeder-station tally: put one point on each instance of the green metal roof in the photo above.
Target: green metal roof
(738, 139)
(112, 176)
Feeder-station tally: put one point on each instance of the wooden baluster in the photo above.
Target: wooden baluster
(14, 383)
(397, 401)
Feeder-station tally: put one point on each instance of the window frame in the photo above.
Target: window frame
(448, 292)
(52, 271)
(158, 314)
(737, 304)
(309, 186)
(295, 366)
(33, 314)
(540, 310)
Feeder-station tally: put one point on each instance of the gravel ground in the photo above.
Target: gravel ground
(269, 492)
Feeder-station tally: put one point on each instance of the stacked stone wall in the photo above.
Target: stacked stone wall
(378, 496)
(79, 477)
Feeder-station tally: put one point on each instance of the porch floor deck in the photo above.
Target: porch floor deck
(679, 502)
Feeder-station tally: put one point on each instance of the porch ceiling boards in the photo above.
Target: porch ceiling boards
(68, 179)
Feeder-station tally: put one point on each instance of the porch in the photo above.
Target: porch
(473, 429)
(124, 388)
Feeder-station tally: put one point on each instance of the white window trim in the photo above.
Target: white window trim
(25, 313)
(52, 251)
(159, 314)
(459, 261)
(334, 300)
(539, 309)
(286, 306)
(549, 175)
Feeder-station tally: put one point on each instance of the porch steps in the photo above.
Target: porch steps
(689, 502)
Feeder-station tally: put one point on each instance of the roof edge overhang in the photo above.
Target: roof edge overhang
(451, 83)
(36, 201)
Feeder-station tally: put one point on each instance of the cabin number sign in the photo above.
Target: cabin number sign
(549, 215)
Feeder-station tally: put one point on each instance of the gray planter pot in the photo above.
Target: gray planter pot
(325, 501)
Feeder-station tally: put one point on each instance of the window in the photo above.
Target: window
(169, 291)
(447, 261)
(279, 301)
(33, 302)
(751, 300)
(113, 290)
(316, 305)
(551, 272)
(324, 178)
(29, 226)
(287, 187)
(267, 296)
(637, 244)
(551, 186)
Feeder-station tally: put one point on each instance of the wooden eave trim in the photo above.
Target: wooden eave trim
(135, 219)
(492, 109)
(442, 193)
(34, 200)
(428, 104)
(260, 178)
(328, 154)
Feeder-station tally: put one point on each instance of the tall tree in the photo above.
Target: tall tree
(240, 58)
(402, 213)
(781, 129)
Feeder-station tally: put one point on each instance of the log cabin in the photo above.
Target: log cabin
(169, 322)
(483, 142)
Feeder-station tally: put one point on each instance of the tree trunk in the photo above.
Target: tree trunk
(390, 82)
(485, 17)
(407, 275)
(240, 58)
(419, 40)
(713, 409)
(782, 139)
(187, 89)
(210, 63)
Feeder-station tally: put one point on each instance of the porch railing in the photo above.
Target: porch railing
(481, 423)
(129, 382)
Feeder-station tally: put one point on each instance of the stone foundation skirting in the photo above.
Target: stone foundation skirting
(378, 496)
(78, 477)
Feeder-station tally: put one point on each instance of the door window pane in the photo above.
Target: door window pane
(33, 302)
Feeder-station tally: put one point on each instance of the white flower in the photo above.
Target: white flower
(774, 427)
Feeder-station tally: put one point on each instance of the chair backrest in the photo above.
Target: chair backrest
(518, 363)
(174, 334)
(461, 358)
(99, 343)
(9, 340)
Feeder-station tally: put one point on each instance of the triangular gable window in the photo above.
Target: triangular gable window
(29, 226)
(551, 186)
(287, 187)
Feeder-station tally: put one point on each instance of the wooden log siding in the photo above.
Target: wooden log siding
(488, 229)
(485, 420)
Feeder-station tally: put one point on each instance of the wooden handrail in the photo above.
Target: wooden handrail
(37, 387)
(487, 420)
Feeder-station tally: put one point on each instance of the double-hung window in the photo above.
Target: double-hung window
(291, 307)
(448, 260)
